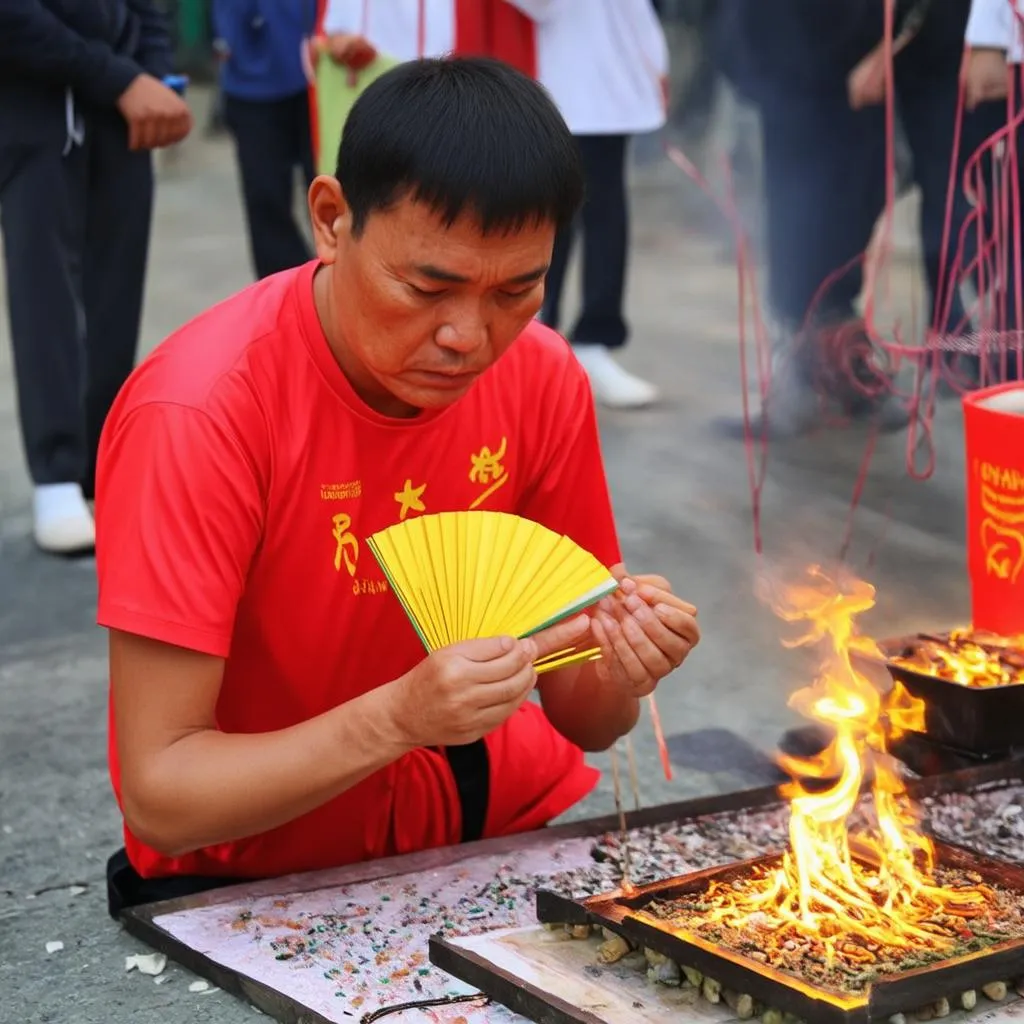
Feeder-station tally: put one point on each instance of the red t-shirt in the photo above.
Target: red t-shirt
(239, 476)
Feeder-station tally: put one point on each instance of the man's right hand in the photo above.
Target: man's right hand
(985, 76)
(460, 693)
(156, 116)
(348, 49)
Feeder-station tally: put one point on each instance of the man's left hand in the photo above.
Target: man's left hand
(644, 630)
(866, 84)
(985, 76)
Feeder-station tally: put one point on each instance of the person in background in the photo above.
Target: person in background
(605, 64)
(817, 76)
(995, 37)
(991, 79)
(266, 110)
(408, 29)
(83, 102)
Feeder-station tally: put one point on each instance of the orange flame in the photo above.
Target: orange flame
(876, 885)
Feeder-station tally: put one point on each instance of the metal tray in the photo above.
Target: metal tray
(898, 993)
(977, 720)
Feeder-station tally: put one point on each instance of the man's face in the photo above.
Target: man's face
(419, 310)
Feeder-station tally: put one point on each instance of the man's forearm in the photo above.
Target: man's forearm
(213, 787)
(156, 50)
(587, 710)
(36, 43)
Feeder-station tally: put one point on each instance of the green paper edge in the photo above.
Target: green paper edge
(572, 609)
(397, 591)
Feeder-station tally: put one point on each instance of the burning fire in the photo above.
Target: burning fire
(970, 658)
(875, 887)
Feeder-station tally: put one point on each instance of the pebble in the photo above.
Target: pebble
(580, 931)
(634, 961)
(200, 986)
(942, 1008)
(146, 963)
(693, 976)
(995, 990)
(741, 1004)
(897, 1018)
(925, 1013)
(613, 950)
(772, 1016)
(712, 990)
(969, 999)
(54, 947)
(666, 973)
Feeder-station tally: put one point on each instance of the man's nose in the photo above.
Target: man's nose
(464, 330)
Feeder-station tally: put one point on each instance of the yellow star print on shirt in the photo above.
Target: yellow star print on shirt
(411, 499)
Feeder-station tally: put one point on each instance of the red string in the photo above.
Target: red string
(756, 449)
(998, 255)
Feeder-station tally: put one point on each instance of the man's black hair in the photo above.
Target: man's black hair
(463, 135)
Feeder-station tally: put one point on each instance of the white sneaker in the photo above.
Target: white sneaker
(63, 523)
(612, 385)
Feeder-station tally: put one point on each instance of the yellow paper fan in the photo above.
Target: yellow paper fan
(464, 575)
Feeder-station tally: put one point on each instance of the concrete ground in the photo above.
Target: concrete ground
(682, 499)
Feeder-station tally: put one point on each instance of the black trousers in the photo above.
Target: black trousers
(824, 179)
(76, 232)
(604, 222)
(1005, 361)
(272, 139)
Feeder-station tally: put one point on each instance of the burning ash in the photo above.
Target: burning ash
(970, 658)
(852, 894)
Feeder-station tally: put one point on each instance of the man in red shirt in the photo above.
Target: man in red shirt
(272, 710)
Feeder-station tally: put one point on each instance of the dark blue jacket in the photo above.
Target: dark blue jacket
(771, 49)
(97, 47)
(264, 39)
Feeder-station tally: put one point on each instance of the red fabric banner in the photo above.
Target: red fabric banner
(994, 435)
(493, 28)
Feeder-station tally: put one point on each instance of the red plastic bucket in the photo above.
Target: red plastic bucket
(994, 436)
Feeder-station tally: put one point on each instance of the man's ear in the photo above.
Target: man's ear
(329, 216)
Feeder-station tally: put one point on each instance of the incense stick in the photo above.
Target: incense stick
(560, 659)
(627, 873)
(659, 738)
(634, 780)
